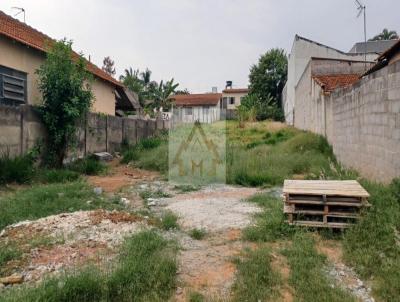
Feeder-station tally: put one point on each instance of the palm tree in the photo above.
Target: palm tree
(146, 76)
(386, 35)
(131, 80)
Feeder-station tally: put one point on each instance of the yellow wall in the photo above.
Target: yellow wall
(237, 97)
(20, 57)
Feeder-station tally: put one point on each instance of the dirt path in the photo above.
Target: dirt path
(205, 266)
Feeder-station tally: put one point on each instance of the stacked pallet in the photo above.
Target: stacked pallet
(324, 203)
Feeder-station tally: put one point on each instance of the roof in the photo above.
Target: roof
(236, 90)
(373, 46)
(207, 99)
(23, 33)
(331, 82)
(298, 37)
(384, 58)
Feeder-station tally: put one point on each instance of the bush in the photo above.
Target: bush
(19, 169)
(7, 253)
(89, 165)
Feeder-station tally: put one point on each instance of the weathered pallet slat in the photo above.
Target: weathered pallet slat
(328, 204)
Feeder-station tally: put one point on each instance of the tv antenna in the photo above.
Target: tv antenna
(21, 10)
(362, 10)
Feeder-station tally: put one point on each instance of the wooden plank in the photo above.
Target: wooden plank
(330, 214)
(318, 224)
(333, 203)
(325, 187)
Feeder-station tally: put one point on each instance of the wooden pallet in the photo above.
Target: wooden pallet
(324, 203)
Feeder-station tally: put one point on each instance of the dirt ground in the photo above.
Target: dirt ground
(205, 266)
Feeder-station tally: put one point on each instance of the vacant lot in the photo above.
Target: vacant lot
(127, 234)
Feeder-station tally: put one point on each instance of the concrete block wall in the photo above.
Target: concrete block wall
(21, 129)
(362, 123)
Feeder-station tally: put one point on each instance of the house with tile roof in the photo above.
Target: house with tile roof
(189, 108)
(232, 97)
(23, 49)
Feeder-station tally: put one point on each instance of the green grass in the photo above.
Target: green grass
(9, 252)
(57, 176)
(255, 279)
(270, 223)
(186, 188)
(145, 271)
(146, 194)
(169, 221)
(19, 169)
(44, 200)
(306, 273)
(372, 246)
(197, 234)
(89, 165)
(196, 297)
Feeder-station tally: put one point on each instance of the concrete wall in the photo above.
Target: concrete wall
(21, 129)
(237, 96)
(361, 122)
(302, 51)
(20, 57)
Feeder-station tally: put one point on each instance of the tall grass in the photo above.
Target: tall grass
(19, 169)
(372, 246)
(145, 271)
(41, 201)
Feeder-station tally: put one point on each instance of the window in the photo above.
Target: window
(12, 86)
(189, 111)
(232, 101)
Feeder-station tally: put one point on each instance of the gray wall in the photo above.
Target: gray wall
(21, 129)
(362, 122)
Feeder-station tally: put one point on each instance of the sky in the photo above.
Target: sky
(200, 43)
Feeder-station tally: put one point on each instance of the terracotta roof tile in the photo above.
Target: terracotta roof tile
(236, 90)
(331, 82)
(18, 31)
(207, 99)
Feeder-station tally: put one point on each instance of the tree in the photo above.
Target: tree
(163, 92)
(65, 85)
(268, 77)
(184, 91)
(131, 80)
(108, 66)
(385, 35)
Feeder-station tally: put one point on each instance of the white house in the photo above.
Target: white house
(302, 51)
(205, 108)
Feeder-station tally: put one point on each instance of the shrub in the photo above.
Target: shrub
(7, 253)
(19, 169)
(130, 155)
(150, 143)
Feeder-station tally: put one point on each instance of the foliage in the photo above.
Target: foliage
(386, 35)
(41, 201)
(19, 169)
(255, 279)
(67, 97)
(108, 66)
(8, 252)
(307, 275)
(169, 221)
(268, 77)
(196, 297)
(252, 108)
(148, 90)
(198, 234)
(89, 165)
(145, 271)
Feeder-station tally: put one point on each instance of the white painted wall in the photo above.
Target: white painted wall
(302, 51)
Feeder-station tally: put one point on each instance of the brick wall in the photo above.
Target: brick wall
(21, 129)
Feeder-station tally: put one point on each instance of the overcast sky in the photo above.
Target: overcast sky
(201, 43)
